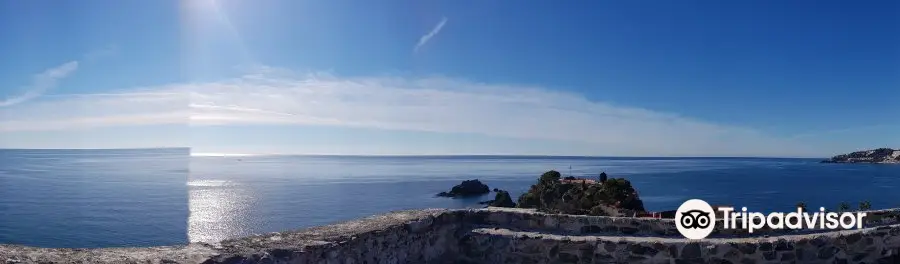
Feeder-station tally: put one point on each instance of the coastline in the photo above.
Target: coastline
(861, 162)
(873, 156)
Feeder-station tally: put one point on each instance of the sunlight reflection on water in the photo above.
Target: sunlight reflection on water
(219, 210)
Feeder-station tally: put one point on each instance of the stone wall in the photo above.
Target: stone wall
(498, 235)
(488, 245)
(419, 236)
(427, 236)
(529, 219)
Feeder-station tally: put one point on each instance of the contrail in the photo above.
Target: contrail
(42, 82)
(424, 39)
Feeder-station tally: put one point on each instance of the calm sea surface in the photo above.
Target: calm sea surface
(97, 198)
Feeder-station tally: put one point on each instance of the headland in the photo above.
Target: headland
(878, 156)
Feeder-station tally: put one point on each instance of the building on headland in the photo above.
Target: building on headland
(574, 180)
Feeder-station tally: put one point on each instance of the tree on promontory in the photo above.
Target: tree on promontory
(865, 206)
(615, 197)
(843, 207)
(550, 177)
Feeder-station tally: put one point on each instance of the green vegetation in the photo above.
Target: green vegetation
(865, 206)
(844, 207)
(614, 197)
(550, 177)
(502, 199)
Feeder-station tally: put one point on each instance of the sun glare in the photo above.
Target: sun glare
(204, 24)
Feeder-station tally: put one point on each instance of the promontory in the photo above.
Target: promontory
(881, 155)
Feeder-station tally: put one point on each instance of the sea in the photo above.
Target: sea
(154, 197)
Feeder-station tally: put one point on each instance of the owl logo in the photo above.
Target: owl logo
(695, 219)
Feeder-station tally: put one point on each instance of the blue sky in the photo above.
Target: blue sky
(658, 78)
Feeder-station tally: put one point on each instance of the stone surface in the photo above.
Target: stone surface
(523, 247)
(496, 235)
(193, 253)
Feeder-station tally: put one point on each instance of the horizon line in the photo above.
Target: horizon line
(492, 155)
(235, 154)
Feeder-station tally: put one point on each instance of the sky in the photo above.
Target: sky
(406, 77)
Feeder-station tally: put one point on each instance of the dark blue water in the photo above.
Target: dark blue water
(141, 198)
(78, 198)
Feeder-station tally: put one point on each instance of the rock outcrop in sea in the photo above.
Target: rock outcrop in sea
(613, 197)
(467, 189)
(881, 155)
(501, 199)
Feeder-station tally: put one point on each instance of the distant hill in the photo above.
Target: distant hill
(881, 155)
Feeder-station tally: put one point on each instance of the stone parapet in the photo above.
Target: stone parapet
(501, 235)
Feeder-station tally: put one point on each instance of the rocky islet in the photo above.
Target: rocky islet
(467, 188)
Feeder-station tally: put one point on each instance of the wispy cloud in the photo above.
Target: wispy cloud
(50, 78)
(70, 112)
(448, 105)
(42, 82)
(437, 29)
(457, 106)
(434, 104)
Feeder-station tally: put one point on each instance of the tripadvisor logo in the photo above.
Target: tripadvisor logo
(696, 219)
